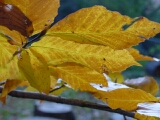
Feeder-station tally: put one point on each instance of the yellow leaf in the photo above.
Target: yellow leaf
(144, 117)
(40, 12)
(8, 62)
(116, 77)
(59, 90)
(96, 25)
(80, 77)
(137, 56)
(34, 68)
(100, 58)
(125, 98)
(53, 76)
(15, 37)
(30, 89)
(147, 84)
(9, 86)
(6, 50)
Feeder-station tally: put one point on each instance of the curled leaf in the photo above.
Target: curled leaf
(147, 84)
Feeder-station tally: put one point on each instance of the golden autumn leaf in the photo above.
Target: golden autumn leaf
(125, 98)
(36, 72)
(6, 50)
(59, 91)
(9, 86)
(8, 63)
(15, 38)
(116, 77)
(96, 25)
(100, 58)
(137, 56)
(53, 76)
(144, 117)
(40, 12)
(79, 77)
(147, 84)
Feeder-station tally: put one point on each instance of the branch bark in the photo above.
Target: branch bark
(75, 102)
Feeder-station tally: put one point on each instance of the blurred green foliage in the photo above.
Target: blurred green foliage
(132, 8)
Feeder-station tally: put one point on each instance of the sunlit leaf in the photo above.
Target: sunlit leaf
(147, 84)
(8, 62)
(137, 56)
(125, 98)
(100, 58)
(15, 38)
(9, 86)
(96, 25)
(6, 50)
(79, 77)
(40, 12)
(36, 72)
(116, 77)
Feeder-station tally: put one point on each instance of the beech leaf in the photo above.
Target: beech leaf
(75, 76)
(9, 86)
(8, 63)
(36, 65)
(99, 58)
(121, 96)
(96, 25)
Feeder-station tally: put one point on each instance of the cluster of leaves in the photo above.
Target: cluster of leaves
(88, 50)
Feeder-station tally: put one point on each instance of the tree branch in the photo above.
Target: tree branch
(75, 102)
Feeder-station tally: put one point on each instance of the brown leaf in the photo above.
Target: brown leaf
(147, 84)
(40, 12)
(14, 19)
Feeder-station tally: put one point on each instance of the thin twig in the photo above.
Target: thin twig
(57, 88)
(75, 102)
